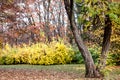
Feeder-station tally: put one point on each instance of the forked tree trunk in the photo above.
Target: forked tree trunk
(89, 63)
(106, 43)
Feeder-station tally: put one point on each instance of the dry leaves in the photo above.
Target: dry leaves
(27, 74)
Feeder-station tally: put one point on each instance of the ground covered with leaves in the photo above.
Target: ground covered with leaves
(27, 74)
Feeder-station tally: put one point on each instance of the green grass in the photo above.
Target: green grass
(76, 68)
(113, 74)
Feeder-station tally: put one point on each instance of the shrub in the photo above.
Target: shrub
(2, 59)
(6, 59)
(77, 58)
(39, 53)
(9, 59)
(113, 59)
(94, 52)
(53, 53)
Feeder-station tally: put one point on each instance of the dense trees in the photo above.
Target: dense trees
(34, 21)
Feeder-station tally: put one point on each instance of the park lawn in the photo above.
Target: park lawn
(75, 68)
(112, 72)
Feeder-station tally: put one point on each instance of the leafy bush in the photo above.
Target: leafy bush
(7, 55)
(94, 52)
(113, 59)
(6, 59)
(40, 53)
(2, 59)
(53, 53)
(78, 58)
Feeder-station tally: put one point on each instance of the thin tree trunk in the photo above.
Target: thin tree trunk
(47, 29)
(89, 63)
(39, 13)
(106, 43)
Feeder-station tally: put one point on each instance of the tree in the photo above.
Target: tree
(89, 63)
(106, 43)
(95, 14)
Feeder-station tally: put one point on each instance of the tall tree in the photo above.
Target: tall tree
(98, 21)
(89, 63)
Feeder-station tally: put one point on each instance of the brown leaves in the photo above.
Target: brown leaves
(30, 17)
(27, 74)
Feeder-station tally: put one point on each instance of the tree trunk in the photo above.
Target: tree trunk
(46, 17)
(91, 71)
(106, 43)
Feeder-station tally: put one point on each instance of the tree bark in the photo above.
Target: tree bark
(46, 18)
(91, 71)
(106, 43)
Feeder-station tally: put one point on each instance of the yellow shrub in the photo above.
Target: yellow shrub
(40, 53)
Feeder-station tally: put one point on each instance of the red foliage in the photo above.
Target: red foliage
(24, 20)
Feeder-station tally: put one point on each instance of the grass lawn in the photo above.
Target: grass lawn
(112, 73)
(76, 68)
